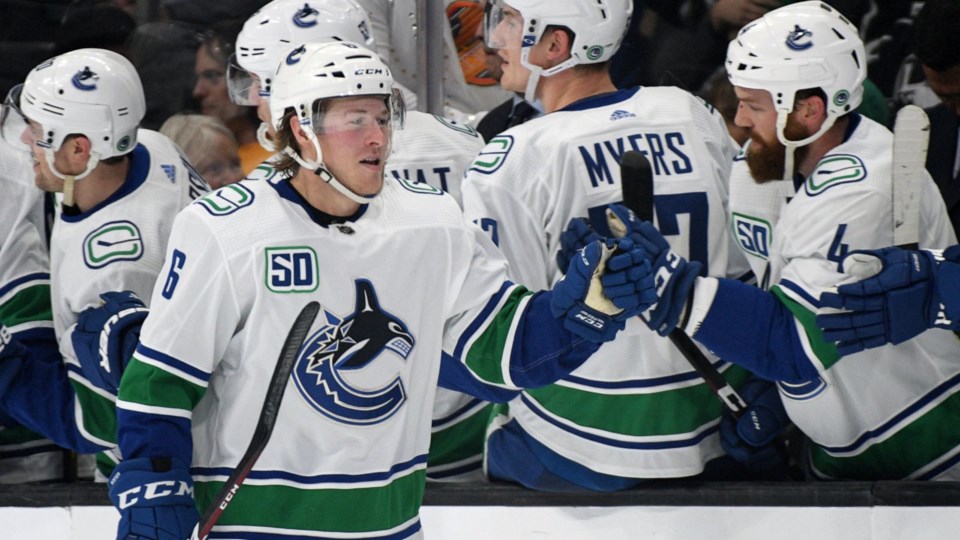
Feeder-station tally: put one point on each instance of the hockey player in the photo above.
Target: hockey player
(798, 72)
(531, 181)
(79, 114)
(435, 150)
(24, 313)
(429, 149)
(403, 280)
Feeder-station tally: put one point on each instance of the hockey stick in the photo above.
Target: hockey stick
(268, 418)
(637, 188)
(911, 135)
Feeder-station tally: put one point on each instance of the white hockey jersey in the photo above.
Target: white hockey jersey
(403, 282)
(525, 187)
(879, 414)
(433, 150)
(116, 246)
(24, 305)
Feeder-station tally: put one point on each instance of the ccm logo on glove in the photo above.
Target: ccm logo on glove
(155, 490)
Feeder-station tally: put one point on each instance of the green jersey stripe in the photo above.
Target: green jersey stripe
(825, 351)
(30, 304)
(485, 355)
(151, 386)
(354, 510)
(459, 441)
(910, 449)
(653, 414)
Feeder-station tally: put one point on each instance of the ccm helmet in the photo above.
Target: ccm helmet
(314, 72)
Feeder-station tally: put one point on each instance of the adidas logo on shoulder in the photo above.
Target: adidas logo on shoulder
(620, 114)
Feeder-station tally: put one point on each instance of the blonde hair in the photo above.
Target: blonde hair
(194, 133)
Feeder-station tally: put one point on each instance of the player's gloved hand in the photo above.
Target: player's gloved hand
(673, 275)
(590, 316)
(900, 295)
(155, 499)
(106, 336)
(578, 234)
(628, 281)
(751, 439)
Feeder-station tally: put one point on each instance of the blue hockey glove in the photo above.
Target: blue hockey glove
(577, 235)
(628, 281)
(106, 336)
(673, 275)
(751, 440)
(155, 499)
(590, 316)
(899, 298)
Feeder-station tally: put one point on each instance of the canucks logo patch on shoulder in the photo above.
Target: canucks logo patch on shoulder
(754, 235)
(226, 200)
(291, 269)
(456, 126)
(341, 370)
(112, 242)
(834, 170)
(493, 155)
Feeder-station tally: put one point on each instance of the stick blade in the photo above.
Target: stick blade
(911, 135)
(636, 177)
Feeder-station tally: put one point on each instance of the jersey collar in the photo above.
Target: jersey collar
(601, 100)
(286, 190)
(136, 176)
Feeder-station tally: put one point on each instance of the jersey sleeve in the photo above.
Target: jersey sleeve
(490, 202)
(180, 343)
(500, 337)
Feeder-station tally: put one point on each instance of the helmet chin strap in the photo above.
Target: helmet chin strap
(530, 93)
(318, 168)
(68, 179)
(791, 146)
(264, 139)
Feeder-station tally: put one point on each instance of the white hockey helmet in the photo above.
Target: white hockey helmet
(797, 47)
(314, 72)
(91, 92)
(269, 34)
(598, 28)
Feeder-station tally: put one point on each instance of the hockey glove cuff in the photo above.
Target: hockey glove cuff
(155, 499)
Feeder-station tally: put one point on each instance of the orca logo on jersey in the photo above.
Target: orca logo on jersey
(493, 155)
(753, 234)
(305, 17)
(834, 170)
(341, 371)
(112, 242)
(799, 39)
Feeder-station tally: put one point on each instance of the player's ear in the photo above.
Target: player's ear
(558, 45)
(299, 132)
(811, 108)
(78, 149)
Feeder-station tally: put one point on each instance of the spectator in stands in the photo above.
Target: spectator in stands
(210, 147)
(211, 92)
(937, 47)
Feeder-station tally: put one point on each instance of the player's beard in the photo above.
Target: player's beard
(766, 158)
